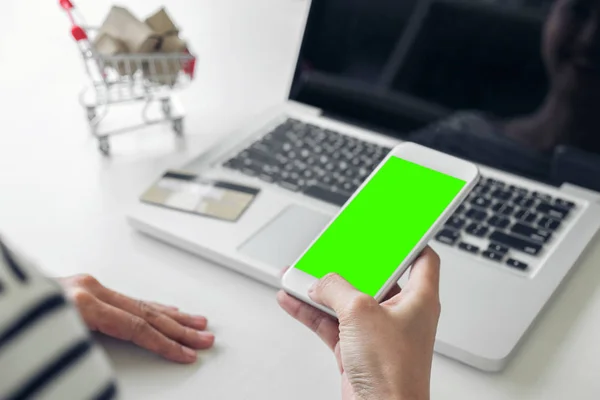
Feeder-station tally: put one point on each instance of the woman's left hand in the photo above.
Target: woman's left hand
(161, 329)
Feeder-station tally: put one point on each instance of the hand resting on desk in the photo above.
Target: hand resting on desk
(384, 351)
(161, 329)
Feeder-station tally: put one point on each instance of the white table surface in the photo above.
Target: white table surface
(65, 204)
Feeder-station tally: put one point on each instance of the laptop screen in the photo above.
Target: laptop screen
(514, 84)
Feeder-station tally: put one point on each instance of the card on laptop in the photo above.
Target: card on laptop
(187, 192)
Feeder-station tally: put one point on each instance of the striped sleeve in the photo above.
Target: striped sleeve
(46, 351)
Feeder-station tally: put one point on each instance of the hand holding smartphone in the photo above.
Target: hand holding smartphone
(386, 224)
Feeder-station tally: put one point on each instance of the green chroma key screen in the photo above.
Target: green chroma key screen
(375, 233)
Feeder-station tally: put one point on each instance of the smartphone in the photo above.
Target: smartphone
(386, 224)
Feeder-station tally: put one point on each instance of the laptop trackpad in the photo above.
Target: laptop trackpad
(282, 240)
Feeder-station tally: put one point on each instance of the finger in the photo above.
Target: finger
(162, 322)
(197, 322)
(163, 306)
(317, 321)
(119, 324)
(334, 292)
(425, 274)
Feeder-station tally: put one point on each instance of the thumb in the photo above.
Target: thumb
(334, 292)
(425, 274)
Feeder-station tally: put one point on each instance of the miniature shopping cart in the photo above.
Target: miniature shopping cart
(146, 78)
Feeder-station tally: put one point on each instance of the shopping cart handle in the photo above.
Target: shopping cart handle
(66, 4)
(78, 33)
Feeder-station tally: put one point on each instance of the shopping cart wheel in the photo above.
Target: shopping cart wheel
(178, 126)
(104, 146)
(91, 113)
(166, 107)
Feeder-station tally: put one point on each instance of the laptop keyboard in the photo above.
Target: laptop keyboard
(330, 166)
(511, 220)
(305, 158)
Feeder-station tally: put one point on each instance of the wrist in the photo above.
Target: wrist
(412, 391)
(412, 396)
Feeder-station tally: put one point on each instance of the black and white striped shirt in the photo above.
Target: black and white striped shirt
(46, 351)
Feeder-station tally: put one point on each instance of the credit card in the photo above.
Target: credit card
(187, 192)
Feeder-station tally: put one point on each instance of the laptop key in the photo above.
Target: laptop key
(249, 171)
(498, 248)
(504, 209)
(490, 255)
(250, 168)
(461, 209)
(327, 180)
(482, 189)
(526, 216)
(481, 202)
(456, 222)
(267, 178)
(357, 182)
(282, 160)
(502, 195)
(553, 211)
(499, 222)
(233, 163)
(549, 223)
(356, 163)
(308, 174)
(516, 243)
(351, 172)
(523, 201)
(289, 185)
(448, 236)
(340, 180)
(261, 157)
(511, 262)
(470, 248)
(323, 193)
(521, 191)
(349, 187)
(542, 196)
(478, 230)
(477, 215)
(539, 235)
(496, 182)
(323, 159)
(569, 205)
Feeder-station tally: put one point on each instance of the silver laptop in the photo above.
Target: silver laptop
(368, 77)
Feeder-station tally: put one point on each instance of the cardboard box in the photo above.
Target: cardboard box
(165, 71)
(172, 44)
(107, 46)
(162, 24)
(135, 34)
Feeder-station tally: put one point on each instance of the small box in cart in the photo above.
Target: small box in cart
(162, 24)
(124, 26)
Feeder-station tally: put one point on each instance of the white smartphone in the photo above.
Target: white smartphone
(386, 224)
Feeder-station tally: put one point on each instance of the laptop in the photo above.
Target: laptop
(369, 75)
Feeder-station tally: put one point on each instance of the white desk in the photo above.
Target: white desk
(64, 204)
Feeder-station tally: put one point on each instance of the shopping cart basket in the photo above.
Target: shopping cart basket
(147, 78)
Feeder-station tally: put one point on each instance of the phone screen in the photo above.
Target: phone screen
(381, 226)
